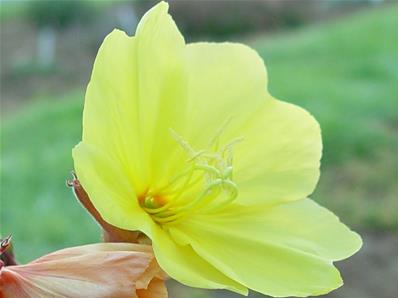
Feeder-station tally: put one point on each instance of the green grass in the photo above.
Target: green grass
(344, 73)
(37, 207)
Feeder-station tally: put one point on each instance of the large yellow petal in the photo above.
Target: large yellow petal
(286, 250)
(110, 109)
(162, 84)
(279, 157)
(227, 82)
(136, 93)
(109, 188)
(183, 264)
(304, 225)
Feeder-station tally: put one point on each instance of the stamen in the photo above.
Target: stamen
(214, 143)
(184, 144)
(209, 170)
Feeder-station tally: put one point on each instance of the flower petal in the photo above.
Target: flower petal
(155, 289)
(109, 190)
(93, 248)
(289, 248)
(110, 111)
(161, 89)
(279, 157)
(183, 264)
(136, 93)
(227, 82)
(304, 225)
(98, 270)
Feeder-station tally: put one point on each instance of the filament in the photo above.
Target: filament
(208, 173)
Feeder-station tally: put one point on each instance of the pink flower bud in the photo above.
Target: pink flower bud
(96, 270)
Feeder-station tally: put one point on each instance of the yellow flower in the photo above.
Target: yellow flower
(184, 143)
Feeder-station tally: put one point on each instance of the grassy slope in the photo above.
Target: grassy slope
(343, 73)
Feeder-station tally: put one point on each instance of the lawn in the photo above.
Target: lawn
(344, 72)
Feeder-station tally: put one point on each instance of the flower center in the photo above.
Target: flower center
(203, 187)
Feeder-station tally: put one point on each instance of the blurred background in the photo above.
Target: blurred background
(338, 59)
